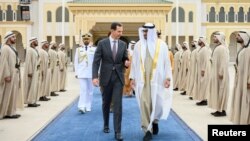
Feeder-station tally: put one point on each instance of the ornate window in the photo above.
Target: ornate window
(18, 13)
(9, 14)
(222, 15)
(181, 15)
(190, 17)
(241, 15)
(59, 15)
(49, 16)
(248, 15)
(212, 14)
(231, 15)
(1, 14)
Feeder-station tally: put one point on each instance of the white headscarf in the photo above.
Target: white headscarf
(246, 37)
(52, 43)
(178, 47)
(129, 47)
(151, 39)
(186, 45)
(32, 39)
(61, 45)
(204, 40)
(8, 35)
(43, 43)
(195, 41)
(221, 37)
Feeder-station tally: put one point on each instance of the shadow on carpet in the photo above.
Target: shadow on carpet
(70, 125)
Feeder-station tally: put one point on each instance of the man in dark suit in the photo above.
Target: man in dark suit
(112, 53)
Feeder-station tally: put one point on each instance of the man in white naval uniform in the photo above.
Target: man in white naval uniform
(83, 70)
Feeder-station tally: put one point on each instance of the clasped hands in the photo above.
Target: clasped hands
(166, 83)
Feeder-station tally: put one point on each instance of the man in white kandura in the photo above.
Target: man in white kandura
(151, 77)
(83, 70)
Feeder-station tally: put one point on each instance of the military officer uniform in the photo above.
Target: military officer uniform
(83, 70)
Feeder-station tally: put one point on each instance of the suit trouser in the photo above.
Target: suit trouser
(113, 91)
(86, 93)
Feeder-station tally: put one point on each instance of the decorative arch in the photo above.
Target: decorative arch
(241, 15)
(248, 15)
(49, 16)
(9, 13)
(181, 15)
(18, 13)
(59, 14)
(222, 14)
(212, 14)
(1, 14)
(191, 17)
(231, 15)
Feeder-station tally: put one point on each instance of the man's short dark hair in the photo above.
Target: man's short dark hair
(114, 25)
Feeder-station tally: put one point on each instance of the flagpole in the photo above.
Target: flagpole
(63, 21)
(177, 21)
(40, 23)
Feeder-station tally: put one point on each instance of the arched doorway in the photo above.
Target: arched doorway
(233, 46)
(19, 46)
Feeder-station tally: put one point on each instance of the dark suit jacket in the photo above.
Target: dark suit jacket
(103, 55)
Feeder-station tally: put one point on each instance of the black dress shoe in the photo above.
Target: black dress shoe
(37, 104)
(133, 92)
(155, 128)
(176, 89)
(13, 116)
(47, 98)
(118, 137)
(202, 103)
(148, 136)
(53, 94)
(183, 93)
(106, 130)
(33, 105)
(191, 98)
(220, 114)
(62, 90)
(214, 112)
(82, 111)
(43, 98)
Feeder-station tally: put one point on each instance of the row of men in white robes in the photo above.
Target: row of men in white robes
(203, 74)
(44, 73)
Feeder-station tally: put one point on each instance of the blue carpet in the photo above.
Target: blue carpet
(70, 125)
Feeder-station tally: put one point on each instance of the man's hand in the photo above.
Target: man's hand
(76, 76)
(167, 83)
(7, 79)
(127, 63)
(248, 86)
(220, 76)
(95, 82)
(132, 84)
